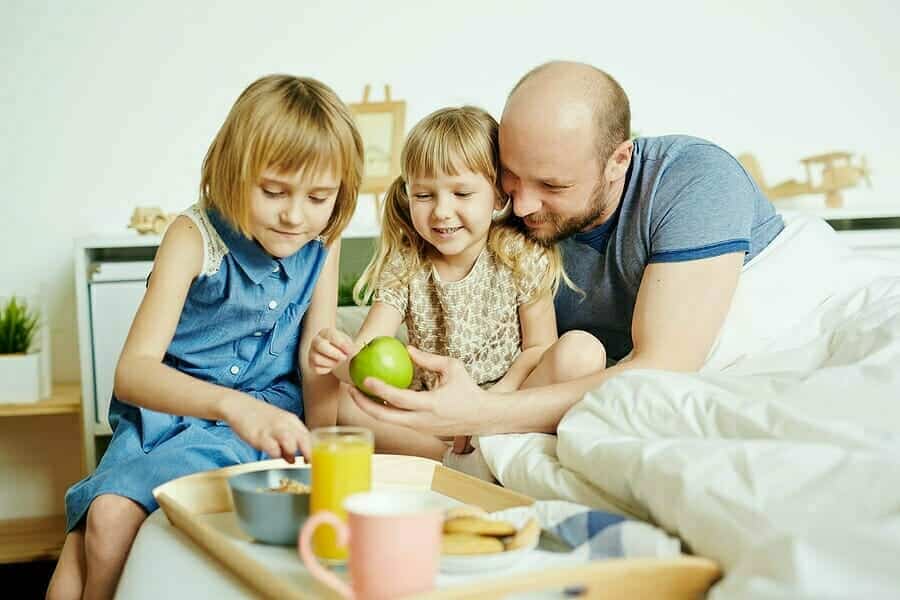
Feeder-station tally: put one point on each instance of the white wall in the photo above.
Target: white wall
(109, 105)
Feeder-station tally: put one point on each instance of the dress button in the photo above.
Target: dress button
(257, 333)
(235, 370)
(273, 305)
(275, 269)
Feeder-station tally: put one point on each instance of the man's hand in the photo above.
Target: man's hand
(454, 407)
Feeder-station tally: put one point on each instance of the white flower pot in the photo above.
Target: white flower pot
(20, 378)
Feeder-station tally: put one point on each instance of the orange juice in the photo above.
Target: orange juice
(341, 466)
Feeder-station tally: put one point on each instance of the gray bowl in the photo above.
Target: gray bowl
(270, 517)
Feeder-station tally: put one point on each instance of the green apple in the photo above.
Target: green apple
(384, 358)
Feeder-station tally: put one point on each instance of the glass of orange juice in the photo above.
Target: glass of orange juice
(341, 466)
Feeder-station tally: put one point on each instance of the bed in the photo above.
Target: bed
(780, 459)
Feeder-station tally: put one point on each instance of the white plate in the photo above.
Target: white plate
(476, 563)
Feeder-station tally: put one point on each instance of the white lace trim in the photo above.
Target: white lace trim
(214, 249)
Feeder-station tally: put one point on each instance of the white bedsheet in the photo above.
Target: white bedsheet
(781, 458)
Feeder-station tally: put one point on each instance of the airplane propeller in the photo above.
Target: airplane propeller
(864, 170)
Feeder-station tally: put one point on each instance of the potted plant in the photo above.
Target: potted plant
(20, 367)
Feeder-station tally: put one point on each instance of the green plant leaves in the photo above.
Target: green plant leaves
(345, 290)
(18, 325)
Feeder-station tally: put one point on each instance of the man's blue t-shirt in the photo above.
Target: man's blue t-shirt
(684, 199)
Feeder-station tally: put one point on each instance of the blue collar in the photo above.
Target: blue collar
(255, 262)
(598, 237)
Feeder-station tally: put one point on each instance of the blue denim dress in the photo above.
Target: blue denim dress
(240, 328)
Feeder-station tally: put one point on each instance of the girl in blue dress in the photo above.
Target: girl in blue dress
(213, 372)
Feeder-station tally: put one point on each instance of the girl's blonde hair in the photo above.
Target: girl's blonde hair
(285, 123)
(448, 141)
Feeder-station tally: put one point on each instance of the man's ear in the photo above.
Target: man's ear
(617, 165)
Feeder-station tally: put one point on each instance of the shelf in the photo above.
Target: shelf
(33, 538)
(851, 212)
(65, 399)
(114, 240)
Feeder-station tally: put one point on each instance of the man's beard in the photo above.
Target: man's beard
(565, 228)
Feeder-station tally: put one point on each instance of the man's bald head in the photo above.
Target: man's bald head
(572, 95)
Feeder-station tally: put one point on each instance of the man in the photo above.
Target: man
(654, 231)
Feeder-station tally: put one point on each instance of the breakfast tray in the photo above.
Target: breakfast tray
(200, 505)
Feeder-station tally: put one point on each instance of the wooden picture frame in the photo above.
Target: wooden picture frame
(381, 125)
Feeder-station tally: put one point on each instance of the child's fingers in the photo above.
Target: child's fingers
(305, 448)
(288, 446)
(322, 365)
(270, 447)
(329, 350)
(341, 341)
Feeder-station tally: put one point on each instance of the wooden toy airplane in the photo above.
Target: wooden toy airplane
(150, 219)
(837, 172)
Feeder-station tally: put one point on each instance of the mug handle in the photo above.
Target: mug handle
(309, 558)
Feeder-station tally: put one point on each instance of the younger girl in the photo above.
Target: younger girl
(208, 376)
(463, 279)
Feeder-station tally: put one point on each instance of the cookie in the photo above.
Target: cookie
(469, 543)
(525, 537)
(465, 510)
(479, 526)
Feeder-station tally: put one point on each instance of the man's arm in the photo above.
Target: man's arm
(679, 311)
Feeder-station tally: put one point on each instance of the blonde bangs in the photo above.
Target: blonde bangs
(288, 146)
(445, 143)
(287, 124)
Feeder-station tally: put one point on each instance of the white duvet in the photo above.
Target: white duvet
(781, 458)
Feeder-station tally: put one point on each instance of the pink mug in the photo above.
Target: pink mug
(394, 539)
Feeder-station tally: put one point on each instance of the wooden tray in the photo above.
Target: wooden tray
(188, 502)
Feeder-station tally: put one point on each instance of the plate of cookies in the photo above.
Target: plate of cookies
(475, 540)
